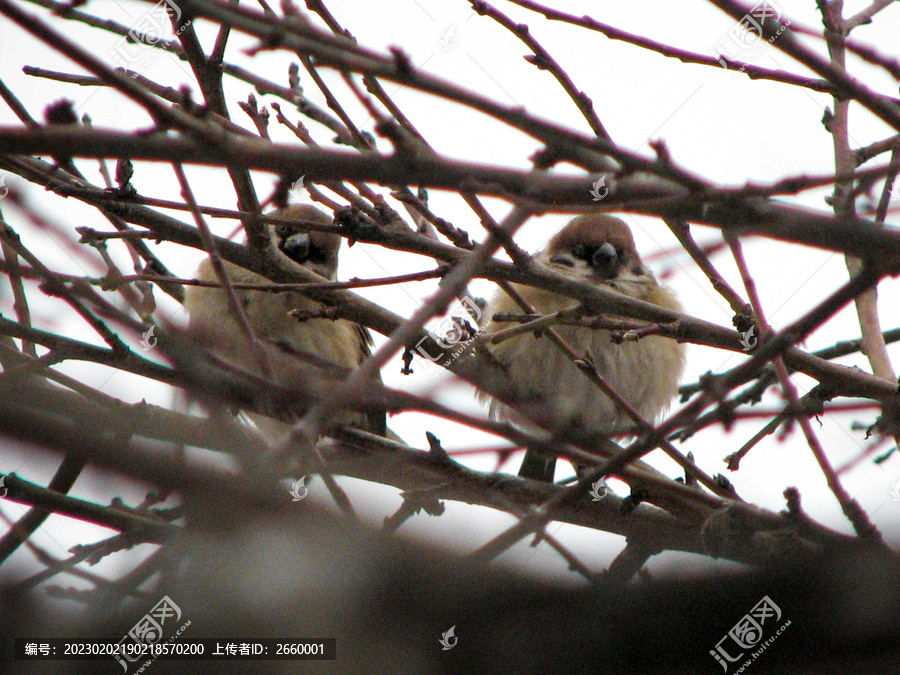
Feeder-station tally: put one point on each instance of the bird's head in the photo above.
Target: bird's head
(315, 250)
(599, 249)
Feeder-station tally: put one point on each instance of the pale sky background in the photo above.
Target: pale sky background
(716, 124)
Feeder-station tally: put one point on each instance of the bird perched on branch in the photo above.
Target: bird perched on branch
(301, 353)
(596, 249)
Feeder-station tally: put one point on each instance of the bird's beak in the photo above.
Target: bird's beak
(296, 247)
(605, 263)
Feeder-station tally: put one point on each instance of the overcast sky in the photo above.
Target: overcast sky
(717, 124)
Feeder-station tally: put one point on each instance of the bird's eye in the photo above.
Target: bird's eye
(579, 252)
(283, 230)
(562, 259)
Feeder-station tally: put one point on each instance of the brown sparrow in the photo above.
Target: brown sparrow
(596, 249)
(318, 348)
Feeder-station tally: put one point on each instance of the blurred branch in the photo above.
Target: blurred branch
(415, 471)
(683, 55)
(637, 193)
(51, 501)
(62, 481)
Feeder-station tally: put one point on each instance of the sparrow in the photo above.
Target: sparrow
(597, 249)
(318, 350)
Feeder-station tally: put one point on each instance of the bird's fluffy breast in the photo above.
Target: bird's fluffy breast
(645, 372)
(269, 315)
